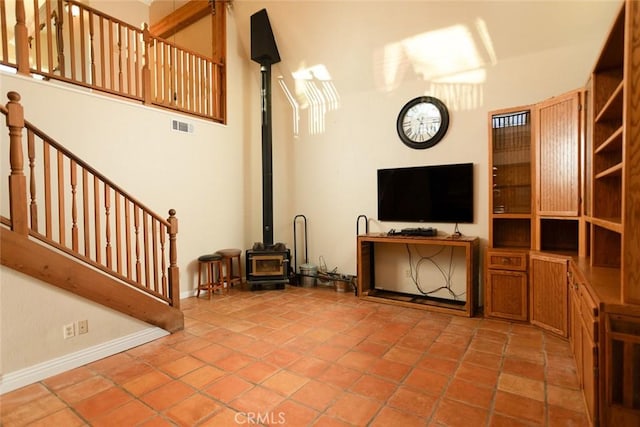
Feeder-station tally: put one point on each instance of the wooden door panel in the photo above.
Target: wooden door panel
(548, 293)
(558, 154)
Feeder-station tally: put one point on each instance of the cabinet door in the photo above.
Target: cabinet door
(548, 292)
(575, 333)
(506, 294)
(589, 372)
(511, 178)
(559, 136)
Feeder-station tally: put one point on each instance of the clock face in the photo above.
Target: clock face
(423, 122)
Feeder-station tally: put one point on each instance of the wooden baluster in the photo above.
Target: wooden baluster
(46, 158)
(21, 39)
(103, 69)
(127, 235)
(49, 37)
(112, 70)
(189, 78)
(96, 219)
(197, 102)
(33, 206)
(118, 233)
(168, 74)
(85, 213)
(154, 243)
(136, 225)
(59, 23)
(147, 96)
(129, 52)
(217, 86)
(160, 71)
(17, 179)
(62, 232)
(74, 207)
(92, 50)
(120, 52)
(174, 272)
(138, 69)
(83, 47)
(36, 36)
(163, 268)
(147, 258)
(202, 89)
(201, 86)
(208, 78)
(206, 108)
(107, 223)
(72, 40)
(177, 95)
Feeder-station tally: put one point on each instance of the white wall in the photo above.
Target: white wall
(527, 51)
(32, 328)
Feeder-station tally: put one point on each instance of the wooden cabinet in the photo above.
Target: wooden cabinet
(584, 219)
(510, 211)
(583, 336)
(510, 201)
(506, 285)
(548, 305)
(615, 215)
(558, 149)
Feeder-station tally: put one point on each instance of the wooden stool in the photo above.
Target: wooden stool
(228, 255)
(211, 265)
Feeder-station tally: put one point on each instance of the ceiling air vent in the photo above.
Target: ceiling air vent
(181, 126)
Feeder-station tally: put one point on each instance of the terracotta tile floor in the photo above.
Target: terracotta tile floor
(307, 356)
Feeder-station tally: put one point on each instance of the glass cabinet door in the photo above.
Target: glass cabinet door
(511, 177)
(512, 163)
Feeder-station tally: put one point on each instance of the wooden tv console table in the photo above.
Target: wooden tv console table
(366, 271)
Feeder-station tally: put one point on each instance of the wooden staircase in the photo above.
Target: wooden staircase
(71, 227)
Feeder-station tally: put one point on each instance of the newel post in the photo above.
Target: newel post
(21, 38)
(17, 179)
(174, 271)
(146, 72)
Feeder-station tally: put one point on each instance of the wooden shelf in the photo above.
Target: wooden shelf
(613, 143)
(612, 109)
(613, 171)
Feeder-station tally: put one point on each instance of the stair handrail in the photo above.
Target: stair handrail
(148, 267)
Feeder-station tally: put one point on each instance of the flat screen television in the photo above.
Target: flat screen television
(441, 194)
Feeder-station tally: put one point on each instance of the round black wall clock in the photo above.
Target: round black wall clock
(422, 122)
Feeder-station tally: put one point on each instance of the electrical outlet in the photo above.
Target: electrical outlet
(83, 326)
(69, 331)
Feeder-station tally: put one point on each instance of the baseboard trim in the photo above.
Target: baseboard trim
(188, 294)
(40, 371)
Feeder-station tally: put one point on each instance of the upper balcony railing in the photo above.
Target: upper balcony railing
(68, 41)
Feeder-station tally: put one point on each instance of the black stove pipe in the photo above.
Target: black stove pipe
(265, 52)
(267, 158)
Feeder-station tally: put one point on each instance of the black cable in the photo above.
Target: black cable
(447, 275)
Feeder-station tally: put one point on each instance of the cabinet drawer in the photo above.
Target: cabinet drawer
(507, 260)
(589, 313)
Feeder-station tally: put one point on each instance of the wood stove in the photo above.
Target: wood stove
(267, 265)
